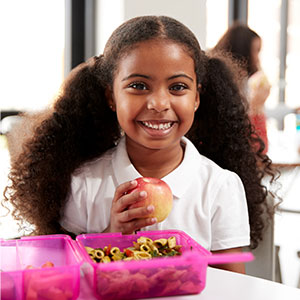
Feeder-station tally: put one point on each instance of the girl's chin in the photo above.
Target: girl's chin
(149, 143)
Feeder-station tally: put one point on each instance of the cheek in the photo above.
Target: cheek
(255, 57)
(186, 105)
(185, 111)
(126, 113)
(122, 113)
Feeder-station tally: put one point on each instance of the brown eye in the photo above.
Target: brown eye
(138, 86)
(178, 87)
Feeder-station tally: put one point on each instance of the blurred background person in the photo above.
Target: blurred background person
(244, 45)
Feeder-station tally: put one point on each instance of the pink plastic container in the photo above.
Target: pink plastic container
(157, 277)
(22, 274)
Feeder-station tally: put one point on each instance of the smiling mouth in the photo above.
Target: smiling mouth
(158, 125)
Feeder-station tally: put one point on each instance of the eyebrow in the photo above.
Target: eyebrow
(135, 75)
(148, 77)
(181, 75)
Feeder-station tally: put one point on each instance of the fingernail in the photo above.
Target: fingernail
(150, 208)
(153, 220)
(143, 194)
(133, 182)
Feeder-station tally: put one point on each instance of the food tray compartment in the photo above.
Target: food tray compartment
(157, 277)
(23, 275)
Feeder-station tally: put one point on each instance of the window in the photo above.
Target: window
(267, 25)
(279, 26)
(293, 54)
(280, 58)
(32, 69)
(281, 69)
(216, 21)
(32, 53)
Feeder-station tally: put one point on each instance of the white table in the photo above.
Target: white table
(223, 285)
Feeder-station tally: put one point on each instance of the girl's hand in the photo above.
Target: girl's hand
(259, 87)
(258, 99)
(123, 219)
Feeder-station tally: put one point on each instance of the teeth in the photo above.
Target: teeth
(161, 126)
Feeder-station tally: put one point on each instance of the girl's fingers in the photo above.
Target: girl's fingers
(127, 200)
(137, 224)
(123, 188)
(125, 219)
(122, 203)
(135, 213)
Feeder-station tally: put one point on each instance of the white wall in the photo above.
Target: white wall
(111, 13)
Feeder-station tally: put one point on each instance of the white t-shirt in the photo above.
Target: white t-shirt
(209, 202)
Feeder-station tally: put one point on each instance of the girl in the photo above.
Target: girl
(152, 105)
(244, 45)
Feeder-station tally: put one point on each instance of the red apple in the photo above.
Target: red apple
(159, 195)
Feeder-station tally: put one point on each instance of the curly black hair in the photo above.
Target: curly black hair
(81, 127)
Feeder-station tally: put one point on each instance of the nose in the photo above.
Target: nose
(159, 101)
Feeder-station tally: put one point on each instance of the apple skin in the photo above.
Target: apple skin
(159, 195)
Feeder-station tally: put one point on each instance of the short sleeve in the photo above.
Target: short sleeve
(230, 221)
(75, 213)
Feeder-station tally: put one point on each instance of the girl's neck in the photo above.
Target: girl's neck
(155, 163)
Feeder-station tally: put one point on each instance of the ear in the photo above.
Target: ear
(197, 100)
(110, 98)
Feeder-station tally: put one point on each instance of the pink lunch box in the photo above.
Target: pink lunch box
(24, 278)
(157, 277)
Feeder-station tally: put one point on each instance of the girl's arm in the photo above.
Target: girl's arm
(234, 267)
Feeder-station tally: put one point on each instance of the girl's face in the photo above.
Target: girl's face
(255, 49)
(155, 94)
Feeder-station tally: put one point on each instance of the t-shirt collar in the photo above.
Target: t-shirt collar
(179, 179)
(122, 166)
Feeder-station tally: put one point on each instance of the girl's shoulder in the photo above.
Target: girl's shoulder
(95, 166)
(206, 168)
(198, 160)
(216, 174)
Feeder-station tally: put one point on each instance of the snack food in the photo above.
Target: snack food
(143, 248)
(47, 264)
